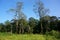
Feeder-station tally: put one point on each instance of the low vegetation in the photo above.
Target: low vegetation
(5, 36)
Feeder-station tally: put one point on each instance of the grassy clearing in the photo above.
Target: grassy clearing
(5, 36)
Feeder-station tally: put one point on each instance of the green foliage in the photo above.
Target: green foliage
(1, 25)
(2, 28)
(7, 26)
(32, 22)
(23, 21)
(7, 36)
(55, 33)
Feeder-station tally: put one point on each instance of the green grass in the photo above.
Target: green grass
(5, 36)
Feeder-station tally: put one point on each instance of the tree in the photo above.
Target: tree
(46, 22)
(27, 29)
(58, 25)
(8, 26)
(18, 13)
(53, 22)
(32, 22)
(2, 27)
(41, 10)
(22, 24)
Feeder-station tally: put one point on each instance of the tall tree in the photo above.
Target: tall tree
(18, 13)
(41, 10)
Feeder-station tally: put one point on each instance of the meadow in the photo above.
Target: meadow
(5, 36)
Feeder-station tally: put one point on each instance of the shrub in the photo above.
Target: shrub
(55, 33)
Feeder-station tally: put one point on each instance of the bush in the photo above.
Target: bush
(55, 33)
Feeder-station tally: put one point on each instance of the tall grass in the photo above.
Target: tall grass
(8, 36)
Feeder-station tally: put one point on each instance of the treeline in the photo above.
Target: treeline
(31, 26)
(21, 25)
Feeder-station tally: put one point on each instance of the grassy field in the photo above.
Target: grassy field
(5, 36)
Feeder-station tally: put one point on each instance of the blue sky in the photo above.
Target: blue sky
(53, 5)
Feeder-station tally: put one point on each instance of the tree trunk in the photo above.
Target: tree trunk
(22, 30)
(11, 29)
(19, 28)
(41, 27)
(16, 26)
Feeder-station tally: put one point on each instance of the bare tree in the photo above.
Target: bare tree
(41, 11)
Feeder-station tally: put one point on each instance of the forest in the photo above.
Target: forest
(20, 25)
